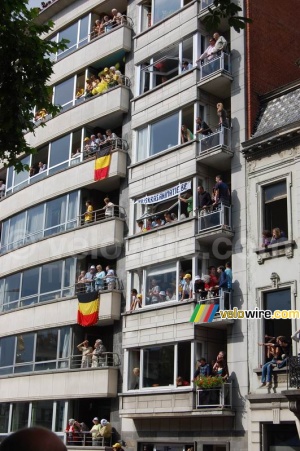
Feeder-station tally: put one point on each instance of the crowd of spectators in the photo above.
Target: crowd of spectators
(207, 203)
(97, 84)
(96, 279)
(98, 142)
(79, 434)
(92, 357)
(107, 23)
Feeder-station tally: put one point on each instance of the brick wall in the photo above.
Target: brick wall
(272, 47)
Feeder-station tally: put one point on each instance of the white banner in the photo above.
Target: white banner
(164, 195)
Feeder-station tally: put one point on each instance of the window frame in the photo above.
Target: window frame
(260, 296)
(287, 177)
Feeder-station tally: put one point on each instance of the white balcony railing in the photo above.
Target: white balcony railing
(205, 4)
(221, 138)
(216, 218)
(219, 64)
(214, 397)
(222, 299)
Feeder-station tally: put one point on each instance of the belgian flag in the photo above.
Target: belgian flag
(88, 308)
(102, 163)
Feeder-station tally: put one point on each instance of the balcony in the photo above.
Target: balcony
(55, 309)
(102, 236)
(215, 225)
(215, 149)
(168, 403)
(113, 45)
(169, 241)
(219, 397)
(77, 176)
(62, 383)
(215, 76)
(108, 108)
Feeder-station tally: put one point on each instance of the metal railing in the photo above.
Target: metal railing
(222, 299)
(106, 284)
(214, 397)
(115, 211)
(293, 369)
(84, 438)
(220, 63)
(124, 20)
(220, 138)
(103, 148)
(96, 216)
(215, 218)
(106, 359)
(205, 4)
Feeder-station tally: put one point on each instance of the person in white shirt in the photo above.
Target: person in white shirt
(221, 44)
(208, 52)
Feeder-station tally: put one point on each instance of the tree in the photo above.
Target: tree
(25, 69)
(225, 9)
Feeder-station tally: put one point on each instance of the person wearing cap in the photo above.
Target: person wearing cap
(187, 289)
(95, 431)
(117, 446)
(105, 429)
(86, 351)
(89, 279)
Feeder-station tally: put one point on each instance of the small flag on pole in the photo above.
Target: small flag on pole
(88, 308)
(204, 313)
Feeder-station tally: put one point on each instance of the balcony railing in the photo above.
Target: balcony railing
(80, 155)
(125, 20)
(221, 217)
(84, 438)
(96, 216)
(65, 292)
(221, 138)
(73, 362)
(223, 300)
(293, 369)
(219, 64)
(214, 397)
(205, 4)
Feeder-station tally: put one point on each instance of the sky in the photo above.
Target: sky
(34, 3)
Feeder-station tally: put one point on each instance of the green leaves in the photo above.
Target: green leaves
(225, 9)
(25, 70)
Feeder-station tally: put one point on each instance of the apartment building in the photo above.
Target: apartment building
(46, 242)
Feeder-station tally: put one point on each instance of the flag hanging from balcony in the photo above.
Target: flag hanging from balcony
(88, 308)
(204, 313)
(102, 164)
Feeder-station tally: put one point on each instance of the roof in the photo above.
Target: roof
(279, 118)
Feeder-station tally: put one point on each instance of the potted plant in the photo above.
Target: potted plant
(205, 382)
(208, 391)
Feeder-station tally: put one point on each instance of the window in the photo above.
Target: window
(280, 436)
(146, 446)
(165, 65)
(37, 413)
(43, 220)
(166, 279)
(275, 210)
(40, 284)
(159, 367)
(157, 10)
(164, 205)
(163, 134)
(37, 351)
(77, 34)
(277, 300)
